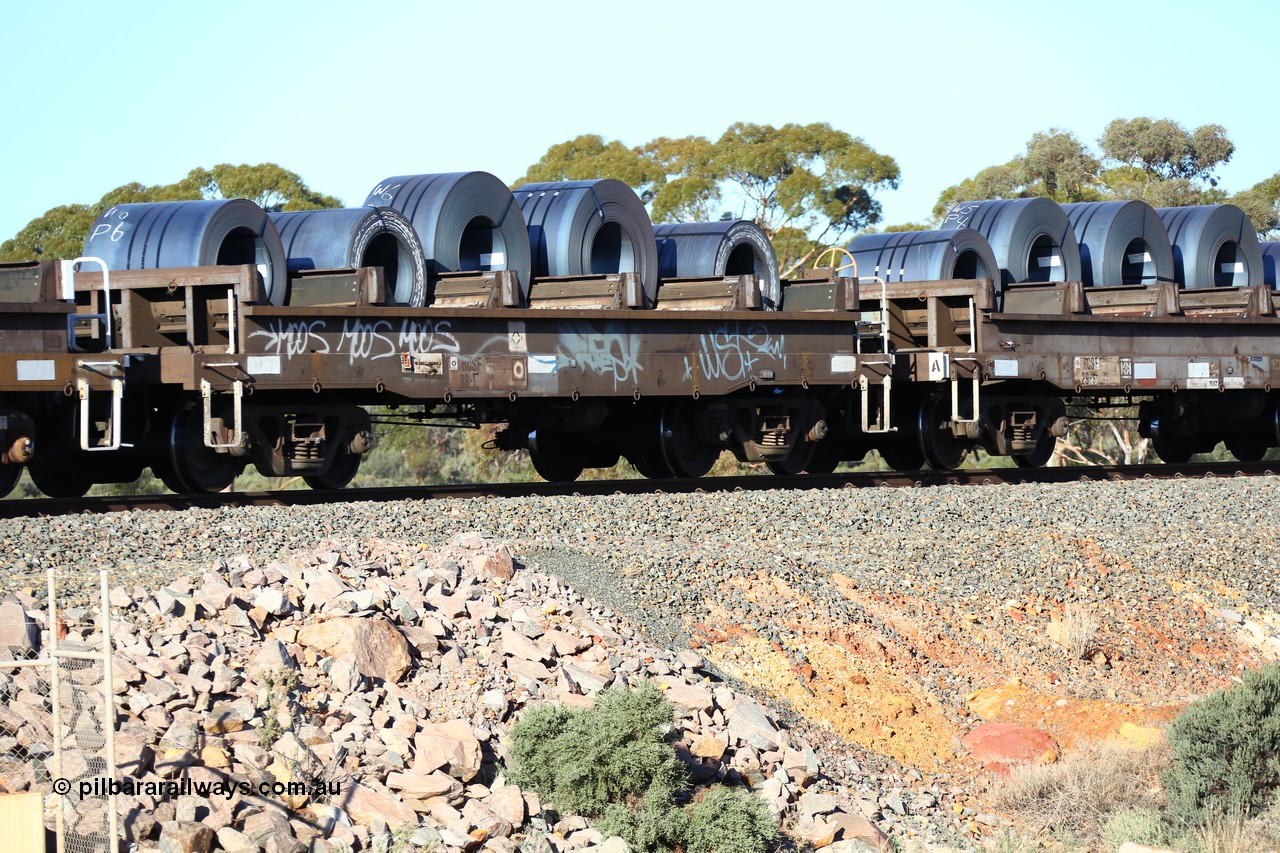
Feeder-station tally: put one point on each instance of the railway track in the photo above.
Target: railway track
(48, 507)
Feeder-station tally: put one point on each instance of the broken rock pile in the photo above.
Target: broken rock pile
(382, 680)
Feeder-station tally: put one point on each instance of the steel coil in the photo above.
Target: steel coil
(191, 234)
(466, 221)
(357, 237)
(1214, 245)
(1121, 242)
(729, 247)
(924, 256)
(1270, 260)
(1030, 237)
(589, 228)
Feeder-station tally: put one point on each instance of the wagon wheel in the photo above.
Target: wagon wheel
(1040, 455)
(10, 474)
(827, 454)
(651, 464)
(340, 474)
(57, 479)
(902, 455)
(1246, 448)
(189, 464)
(556, 456)
(1174, 449)
(682, 451)
(942, 449)
(798, 461)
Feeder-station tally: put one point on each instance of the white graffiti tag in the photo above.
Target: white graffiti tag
(293, 337)
(428, 336)
(611, 352)
(364, 340)
(732, 355)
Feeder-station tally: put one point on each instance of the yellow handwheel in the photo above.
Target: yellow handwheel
(833, 251)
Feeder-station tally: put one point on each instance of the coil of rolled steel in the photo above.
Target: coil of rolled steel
(1270, 261)
(924, 256)
(1121, 242)
(192, 234)
(1030, 237)
(589, 228)
(728, 247)
(348, 238)
(466, 221)
(1214, 245)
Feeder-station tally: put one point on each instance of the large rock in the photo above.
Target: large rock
(366, 805)
(1001, 746)
(508, 803)
(858, 829)
(451, 747)
(517, 645)
(372, 643)
(749, 722)
(19, 635)
(183, 836)
(271, 656)
(424, 786)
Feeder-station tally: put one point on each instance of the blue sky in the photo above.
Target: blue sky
(345, 94)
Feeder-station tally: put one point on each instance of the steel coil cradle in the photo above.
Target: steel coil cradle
(466, 222)
(589, 227)
(1121, 242)
(192, 234)
(1214, 245)
(350, 238)
(728, 247)
(1030, 237)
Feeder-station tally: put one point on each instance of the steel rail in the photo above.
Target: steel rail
(50, 507)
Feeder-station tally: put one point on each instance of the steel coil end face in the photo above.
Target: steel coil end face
(465, 221)
(589, 228)
(724, 248)
(1030, 237)
(1121, 242)
(221, 232)
(1270, 261)
(924, 255)
(1214, 245)
(349, 238)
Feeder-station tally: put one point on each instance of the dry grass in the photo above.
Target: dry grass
(1075, 797)
(1234, 834)
(1080, 626)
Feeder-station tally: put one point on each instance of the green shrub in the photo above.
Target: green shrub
(1226, 752)
(729, 821)
(1139, 825)
(614, 763)
(615, 752)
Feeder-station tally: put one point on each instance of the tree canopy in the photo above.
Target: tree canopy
(60, 232)
(1156, 161)
(805, 185)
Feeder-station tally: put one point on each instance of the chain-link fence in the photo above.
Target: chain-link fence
(56, 721)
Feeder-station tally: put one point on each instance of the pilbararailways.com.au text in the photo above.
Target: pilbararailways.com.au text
(185, 786)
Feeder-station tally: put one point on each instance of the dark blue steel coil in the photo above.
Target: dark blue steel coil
(924, 256)
(1121, 242)
(1031, 237)
(191, 234)
(1214, 245)
(589, 228)
(357, 237)
(1270, 260)
(466, 221)
(728, 247)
